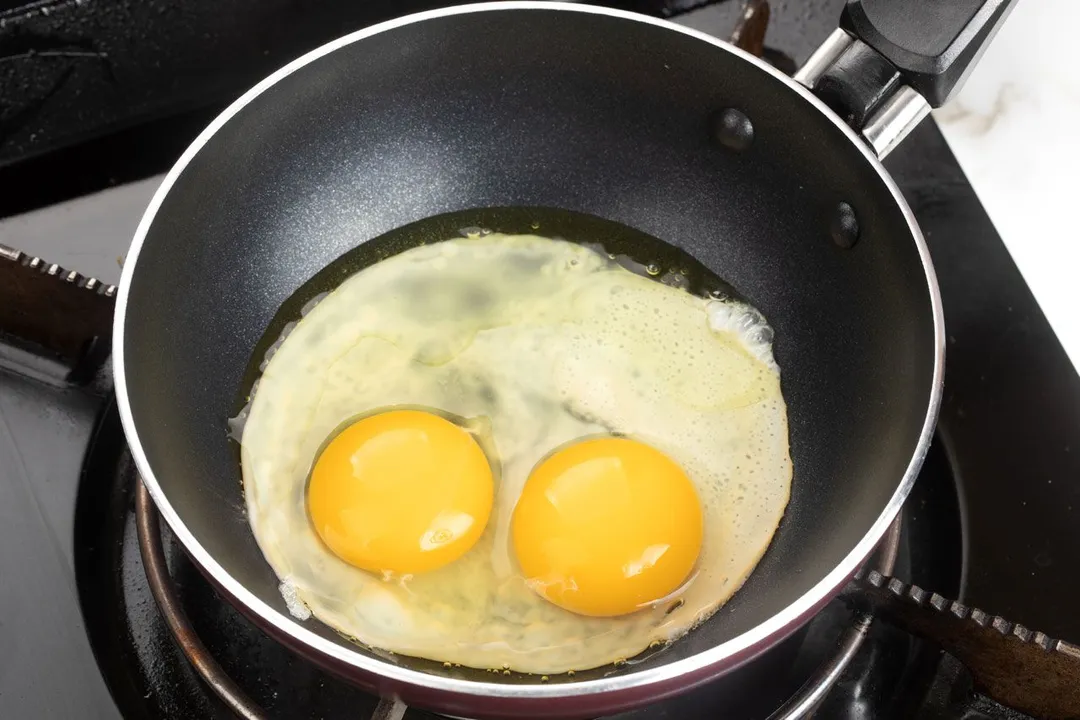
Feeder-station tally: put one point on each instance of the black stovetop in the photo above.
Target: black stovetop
(992, 520)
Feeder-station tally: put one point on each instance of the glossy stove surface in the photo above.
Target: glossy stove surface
(992, 521)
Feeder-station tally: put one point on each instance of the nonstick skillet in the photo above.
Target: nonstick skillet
(489, 110)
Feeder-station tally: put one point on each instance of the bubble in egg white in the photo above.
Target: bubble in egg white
(296, 606)
(538, 342)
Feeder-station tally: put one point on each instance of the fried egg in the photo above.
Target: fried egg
(512, 452)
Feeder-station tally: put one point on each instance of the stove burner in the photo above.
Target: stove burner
(161, 585)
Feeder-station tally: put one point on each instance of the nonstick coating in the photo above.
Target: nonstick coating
(553, 108)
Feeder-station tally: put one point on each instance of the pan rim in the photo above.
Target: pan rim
(709, 663)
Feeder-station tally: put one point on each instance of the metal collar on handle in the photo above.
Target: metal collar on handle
(893, 120)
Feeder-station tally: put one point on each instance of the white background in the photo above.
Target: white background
(1015, 129)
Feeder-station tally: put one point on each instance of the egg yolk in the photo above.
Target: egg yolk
(403, 491)
(606, 526)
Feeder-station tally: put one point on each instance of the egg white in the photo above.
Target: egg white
(536, 343)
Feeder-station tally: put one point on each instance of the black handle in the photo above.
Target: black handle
(934, 44)
(1017, 667)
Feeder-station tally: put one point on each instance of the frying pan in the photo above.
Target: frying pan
(487, 109)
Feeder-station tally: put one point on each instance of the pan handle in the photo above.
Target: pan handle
(1017, 667)
(892, 60)
(933, 44)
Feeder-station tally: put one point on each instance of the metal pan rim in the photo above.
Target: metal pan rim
(663, 679)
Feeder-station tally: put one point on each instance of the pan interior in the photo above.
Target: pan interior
(540, 109)
(631, 248)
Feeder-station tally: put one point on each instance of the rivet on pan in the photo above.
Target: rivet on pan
(733, 129)
(844, 226)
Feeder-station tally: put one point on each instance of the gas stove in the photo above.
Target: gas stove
(103, 616)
